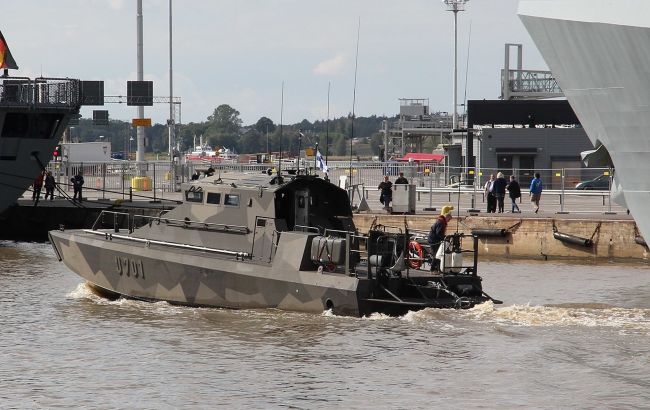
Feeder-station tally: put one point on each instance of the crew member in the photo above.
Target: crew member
(437, 233)
(77, 185)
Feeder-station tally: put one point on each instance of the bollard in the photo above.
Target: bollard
(130, 194)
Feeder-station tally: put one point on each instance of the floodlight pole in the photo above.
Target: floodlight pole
(171, 124)
(140, 130)
(455, 6)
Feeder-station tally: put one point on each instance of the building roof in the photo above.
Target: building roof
(422, 157)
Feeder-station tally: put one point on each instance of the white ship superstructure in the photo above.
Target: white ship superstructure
(599, 52)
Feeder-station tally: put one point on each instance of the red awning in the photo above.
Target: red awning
(422, 157)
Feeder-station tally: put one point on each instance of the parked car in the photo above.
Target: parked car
(599, 183)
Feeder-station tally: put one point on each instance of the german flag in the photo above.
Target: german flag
(6, 60)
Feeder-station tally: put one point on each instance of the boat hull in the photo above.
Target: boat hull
(143, 271)
(196, 279)
(598, 51)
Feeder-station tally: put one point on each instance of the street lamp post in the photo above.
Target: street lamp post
(129, 153)
(455, 6)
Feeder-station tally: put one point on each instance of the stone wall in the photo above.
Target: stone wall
(533, 237)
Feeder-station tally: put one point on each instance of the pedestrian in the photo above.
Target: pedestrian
(49, 186)
(514, 191)
(195, 175)
(437, 234)
(38, 185)
(209, 172)
(386, 192)
(499, 189)
(489, 194)
(77, 185)
(401, 179)
(536, 191)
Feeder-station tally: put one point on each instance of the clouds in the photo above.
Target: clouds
(333, 66)
(239, 52)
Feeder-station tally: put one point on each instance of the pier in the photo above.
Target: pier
(611, 230)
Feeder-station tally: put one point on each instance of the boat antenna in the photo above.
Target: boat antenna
(354, 96)
(469, 43)
(300, 135)
(280, 156)
(327, 127)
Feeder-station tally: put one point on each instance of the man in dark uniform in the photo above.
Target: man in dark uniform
(77, 184)
(386, 195)
(401, 179)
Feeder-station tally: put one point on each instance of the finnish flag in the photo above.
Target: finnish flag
(321, 161)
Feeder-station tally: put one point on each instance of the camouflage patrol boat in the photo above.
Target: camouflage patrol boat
(257, 242)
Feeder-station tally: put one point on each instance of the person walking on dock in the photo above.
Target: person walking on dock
(489, 194)
(38, 185)
(536, 191)
(386, 195)
(499, 189)
(514, 191)
(77, 185)
(49, 186)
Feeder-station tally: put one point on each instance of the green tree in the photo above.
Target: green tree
(251, 142)
(264, 125)
(225, 120)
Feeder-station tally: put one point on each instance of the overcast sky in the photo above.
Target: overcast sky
(239, 52)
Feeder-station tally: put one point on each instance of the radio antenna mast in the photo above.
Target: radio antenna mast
(354, 96)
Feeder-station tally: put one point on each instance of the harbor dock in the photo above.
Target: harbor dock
(610, 231)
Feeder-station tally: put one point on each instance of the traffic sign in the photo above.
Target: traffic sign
(141, 122)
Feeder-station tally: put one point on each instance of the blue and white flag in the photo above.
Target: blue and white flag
(320, 162)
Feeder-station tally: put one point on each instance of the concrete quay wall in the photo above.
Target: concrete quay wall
(532, 238)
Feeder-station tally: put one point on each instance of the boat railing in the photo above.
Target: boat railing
(305, 228)
(150, 220)
(40, 92)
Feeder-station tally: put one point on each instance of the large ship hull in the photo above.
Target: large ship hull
(33, 117)
(599, 52)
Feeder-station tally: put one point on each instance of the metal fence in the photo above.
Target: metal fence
(434, 182)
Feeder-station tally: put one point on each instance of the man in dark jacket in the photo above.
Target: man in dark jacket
(386, 195)
(514, 190)
(77, 184)
(401, 179)
(49, 186)
(438, 232)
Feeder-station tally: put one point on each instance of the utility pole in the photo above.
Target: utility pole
(455, 6)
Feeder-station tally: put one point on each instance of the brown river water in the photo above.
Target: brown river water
(567, 336)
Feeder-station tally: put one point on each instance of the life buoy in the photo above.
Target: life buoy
(416, 253)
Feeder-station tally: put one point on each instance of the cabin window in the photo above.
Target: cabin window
(194, 196)
(231, 199)
(214, 198)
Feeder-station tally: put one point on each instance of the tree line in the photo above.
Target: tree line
(224, 129)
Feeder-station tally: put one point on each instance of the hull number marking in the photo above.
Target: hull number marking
(130, 267)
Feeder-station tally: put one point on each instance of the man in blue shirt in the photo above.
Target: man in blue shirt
(536, 191)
